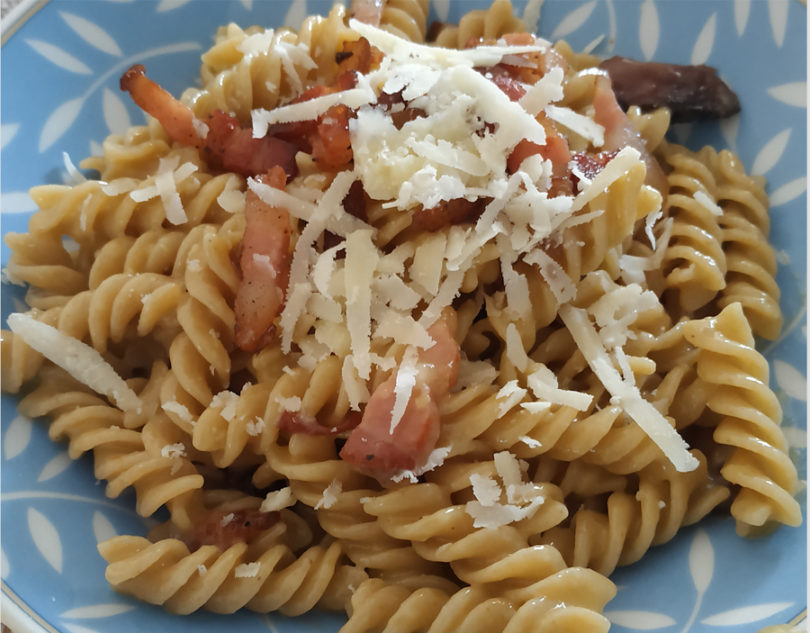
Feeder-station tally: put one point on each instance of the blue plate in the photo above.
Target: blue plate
(60, 67)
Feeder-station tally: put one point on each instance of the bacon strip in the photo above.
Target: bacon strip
(620, 133)
(372, 447)
(265, 266)
(221, 138)
(223, 528)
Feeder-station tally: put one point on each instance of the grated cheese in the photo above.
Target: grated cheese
(486, 490)
(255, 428)
(361, 260)
(580, 124)
(404, 384)
(705, 200)
(80, 360)
(433, 461)
(509, 396)
(626, 394)
(560, 284)
(247, 570)
(523, 498)
(173, 450)
(180, 410)
(544, 386)
(330, 495)
(278, 500)
(227, 402)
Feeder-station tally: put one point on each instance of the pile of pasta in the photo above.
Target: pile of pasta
(608, 387)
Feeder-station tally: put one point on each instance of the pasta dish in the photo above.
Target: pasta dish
(436, 326)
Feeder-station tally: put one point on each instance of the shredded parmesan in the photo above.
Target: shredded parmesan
(330, 495)
(404, 384)
(226, 401)
(278, 500)
(80, 360)
(173, 450)
(247, 570)
(625, 393)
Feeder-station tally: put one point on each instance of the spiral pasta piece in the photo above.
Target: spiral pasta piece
(167, 573)
(486, 24)
(636, 519)
(124, 456)
(406, 18)
(750, 280)
(694, 263)
(377, 606)
(750, 421)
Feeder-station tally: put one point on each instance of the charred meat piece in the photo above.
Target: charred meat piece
(690, 92)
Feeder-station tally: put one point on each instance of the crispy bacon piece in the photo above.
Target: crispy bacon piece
(300, 422)
(332, 144)
(372, 447)
(556, 150)
(359, 56)
(690, 92)
(589, 165)
(265, 266)
(225, 143)
(620, 133)
(223, 528)
(449, 213)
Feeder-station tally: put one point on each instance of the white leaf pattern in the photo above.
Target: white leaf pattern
(59, 57)
(248, 4)
(793, 93)
(103, 530)
(170, 5)
(17, 202)
(7, 133)
(573, 20)
(296, 14)
(46, 538)
(531, 14)
(701, 561)
(58, 122)
(17, 437)
(55, 466)
(770, 154)
(796, 438)
(704, 42)
(778, 14)
(746, 615)
(442, 9)
(92, 33)
(78, 628)
(640, 620)
(788, 192)
(115, 112)
(730, 128)
(5, 567)
(742, 9)
(649, 29)
(790, 380)
(96, 611)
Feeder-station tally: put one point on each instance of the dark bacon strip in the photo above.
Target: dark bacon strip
(223, 529)
(690, 92)
(449, 213)
(300, 422)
